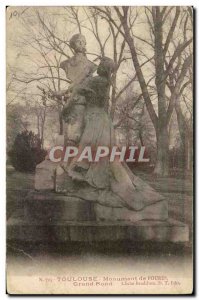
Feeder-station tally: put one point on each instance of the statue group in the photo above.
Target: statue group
(111, 186)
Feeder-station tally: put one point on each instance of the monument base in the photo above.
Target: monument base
(48, 206)
(91, 231)
(52, 217)
(156, 211)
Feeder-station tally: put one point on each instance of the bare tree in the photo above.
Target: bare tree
(160, 44)
(45, 54)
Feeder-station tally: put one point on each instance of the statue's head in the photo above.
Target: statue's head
(106, 67)
(78, 43)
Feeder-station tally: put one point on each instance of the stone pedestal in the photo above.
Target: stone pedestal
(91, 231)
(50, 217)
(48, 207)
(156, 211)
(45, 171)
(44, 175)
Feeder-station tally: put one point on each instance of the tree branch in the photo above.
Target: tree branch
(171, 30)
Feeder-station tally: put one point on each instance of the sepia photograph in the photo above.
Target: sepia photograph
(99, 150)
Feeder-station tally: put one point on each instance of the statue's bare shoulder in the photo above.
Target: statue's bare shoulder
(78, 67)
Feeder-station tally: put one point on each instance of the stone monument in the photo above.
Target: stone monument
(105, 198)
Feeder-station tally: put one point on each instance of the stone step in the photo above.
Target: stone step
(93, 231)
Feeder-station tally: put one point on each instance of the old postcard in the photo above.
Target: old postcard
(99, 150)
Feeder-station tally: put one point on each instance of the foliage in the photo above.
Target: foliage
(26, 152)
(14, 123)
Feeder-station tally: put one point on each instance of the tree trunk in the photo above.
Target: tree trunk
(61, 127)
(42, 136)
(141, 138)
(188, 161)
(160, 122)
(162, 162)
(38, 126)
(185, 135)
(113, 99)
